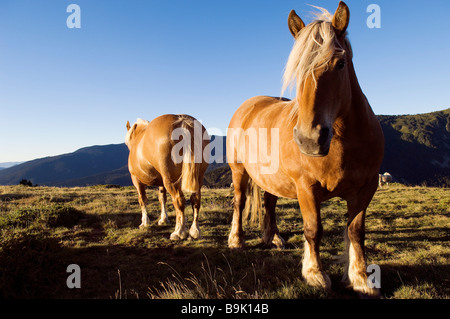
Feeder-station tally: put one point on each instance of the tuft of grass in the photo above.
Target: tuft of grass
(54, 215)
(423, 290)
(211, 283)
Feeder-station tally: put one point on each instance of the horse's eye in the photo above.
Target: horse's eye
(340, 64)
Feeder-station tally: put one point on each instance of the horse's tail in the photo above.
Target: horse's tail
(190, 172)
(190, 176)
(253, 204)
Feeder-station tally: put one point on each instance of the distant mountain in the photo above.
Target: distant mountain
(106, 164)
(417, 149)
(9, 164)
(83, 165)
(417, 152)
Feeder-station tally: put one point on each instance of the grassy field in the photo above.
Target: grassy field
(43, 230)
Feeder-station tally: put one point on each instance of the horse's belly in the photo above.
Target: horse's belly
(276, 183)
(146, 174)
(152, 180)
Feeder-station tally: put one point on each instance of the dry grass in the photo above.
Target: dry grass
(43, 230)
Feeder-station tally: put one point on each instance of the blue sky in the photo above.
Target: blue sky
(62, 89)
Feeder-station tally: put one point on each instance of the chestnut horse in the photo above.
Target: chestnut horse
(155, 160)
(329, 144)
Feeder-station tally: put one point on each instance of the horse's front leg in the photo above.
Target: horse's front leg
(312, 271)
(355, 274)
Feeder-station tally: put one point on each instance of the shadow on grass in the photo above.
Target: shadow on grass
(13, 197)
(33, 264)
(430, 234)
(428, 281)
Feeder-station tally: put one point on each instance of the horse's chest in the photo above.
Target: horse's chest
(332, 173)
(338, 173)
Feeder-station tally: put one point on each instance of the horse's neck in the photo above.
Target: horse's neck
(359, 116)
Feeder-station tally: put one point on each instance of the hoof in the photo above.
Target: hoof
(145, 222)
(235, 242)
(367, 293)
(174, 236)
(178, 236)
(359, 284)
(162, 222)
(275, 242)
(317, 278)
(194, 233)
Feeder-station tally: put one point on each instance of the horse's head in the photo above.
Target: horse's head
(319, 64)
(131, 131)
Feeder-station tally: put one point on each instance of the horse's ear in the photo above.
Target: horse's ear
(128, 125)
(341, 18)
(295, 23)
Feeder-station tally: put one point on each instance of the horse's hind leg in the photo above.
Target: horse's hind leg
(194, 231)
(178, 200)
(271, 234)
(162, 196)
(240, 180)
(142, 201)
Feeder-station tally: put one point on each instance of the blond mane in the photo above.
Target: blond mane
(314, 47)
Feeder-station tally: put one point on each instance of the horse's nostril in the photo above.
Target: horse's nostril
(323, 135)
(324, 131)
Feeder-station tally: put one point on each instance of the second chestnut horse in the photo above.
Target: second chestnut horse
(160, 157)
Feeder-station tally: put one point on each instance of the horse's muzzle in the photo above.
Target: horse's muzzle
(317, 144)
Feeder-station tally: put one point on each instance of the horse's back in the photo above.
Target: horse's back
(250, 113)
(162, 126)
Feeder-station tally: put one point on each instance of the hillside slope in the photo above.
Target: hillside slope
(417, 148)
(62, 170)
